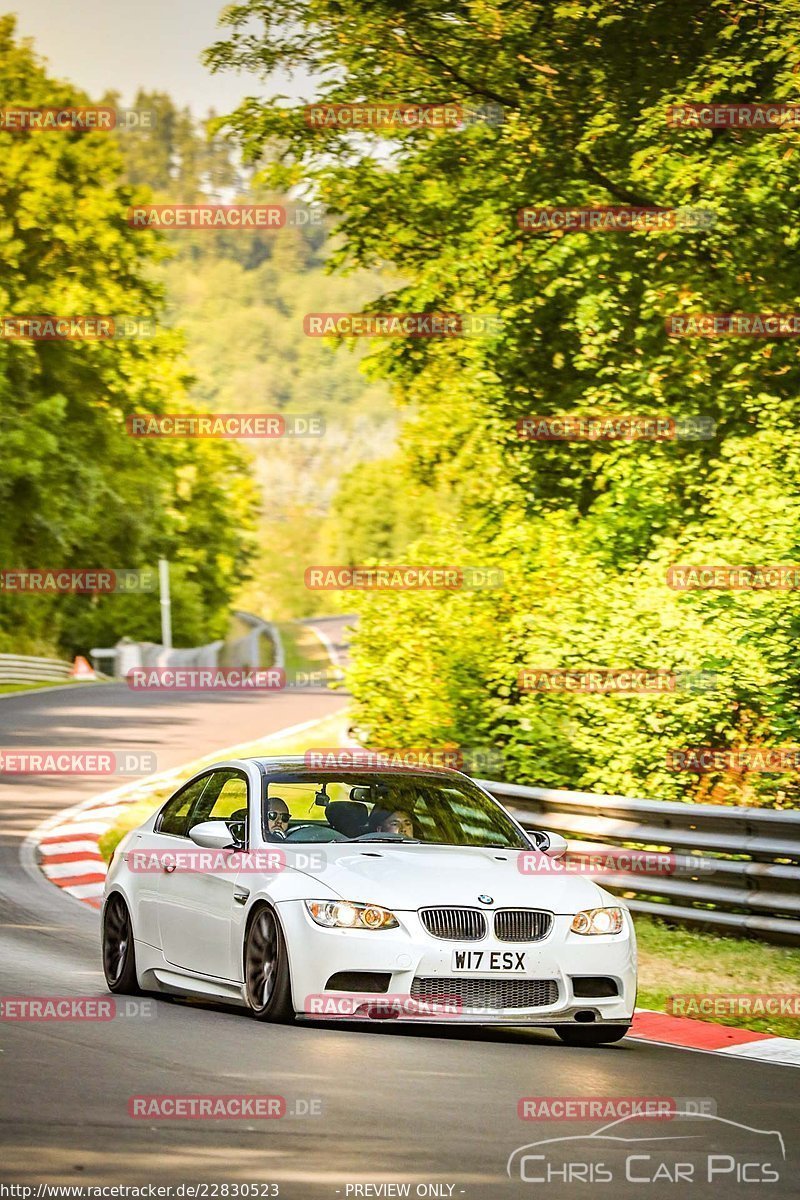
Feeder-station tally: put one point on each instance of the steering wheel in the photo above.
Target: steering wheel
(319, 832)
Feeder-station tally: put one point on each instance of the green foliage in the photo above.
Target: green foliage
(675, 961)
(171, 156)
(75, 489)
(239, 300)
(378, 511)
(583, 532)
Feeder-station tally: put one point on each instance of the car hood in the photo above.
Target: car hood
(410, 877)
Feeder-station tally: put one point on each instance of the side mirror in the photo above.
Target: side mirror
(213, 835)
(551, 844)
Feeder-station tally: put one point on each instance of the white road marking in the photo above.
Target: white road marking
(72, 870)
(774, 1049)
(77, 847)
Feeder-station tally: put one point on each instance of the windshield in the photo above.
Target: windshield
(319, 806)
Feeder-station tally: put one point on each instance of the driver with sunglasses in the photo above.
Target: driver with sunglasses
(277, 818)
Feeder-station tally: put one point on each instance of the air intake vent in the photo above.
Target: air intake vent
(594, 985)
(484, 994)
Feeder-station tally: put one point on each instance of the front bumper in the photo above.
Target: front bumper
(410, 952)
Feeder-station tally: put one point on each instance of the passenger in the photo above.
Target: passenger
(397, 821)
(277, 817)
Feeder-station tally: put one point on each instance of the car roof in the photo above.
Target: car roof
(275, 764)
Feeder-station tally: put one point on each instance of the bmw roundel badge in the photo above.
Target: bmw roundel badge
(484, 899)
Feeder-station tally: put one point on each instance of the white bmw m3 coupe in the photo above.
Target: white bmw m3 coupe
(361, 893)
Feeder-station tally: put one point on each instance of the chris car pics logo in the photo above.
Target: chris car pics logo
(701, 1148)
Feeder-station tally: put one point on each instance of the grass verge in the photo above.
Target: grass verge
(45, 683)
(674, 960)
(305, 652)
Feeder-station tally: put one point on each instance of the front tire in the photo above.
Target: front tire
(119, 953)
(591, 1035)
(267, 985)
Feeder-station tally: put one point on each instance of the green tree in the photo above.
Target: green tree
(75, 489)
(584, 533)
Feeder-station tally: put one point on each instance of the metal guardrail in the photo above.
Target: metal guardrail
(155, 655)
(239, 652)
(734, 869)
(247, 647)
(23, 668)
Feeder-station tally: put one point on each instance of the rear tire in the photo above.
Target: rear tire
(119, 952)
(267, 985)
(591, 1035)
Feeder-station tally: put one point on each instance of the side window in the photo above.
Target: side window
(231, 801)
(174, 817)
(224, 798)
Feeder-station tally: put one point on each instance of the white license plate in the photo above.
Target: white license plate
(508, 962)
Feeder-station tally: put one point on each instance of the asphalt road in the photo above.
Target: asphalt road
(334, 632)
(419, 1106)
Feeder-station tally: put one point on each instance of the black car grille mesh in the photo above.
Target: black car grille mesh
(469, 924)
(454, 924)
(521, 924)
(486, 993)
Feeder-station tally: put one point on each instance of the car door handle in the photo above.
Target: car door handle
(170, 867)
(241, 895)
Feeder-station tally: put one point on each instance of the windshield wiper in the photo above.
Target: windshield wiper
(384, 837)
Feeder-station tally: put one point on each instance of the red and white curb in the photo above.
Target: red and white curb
(69, 844)
(689, 1034)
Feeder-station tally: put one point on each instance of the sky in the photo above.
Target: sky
(103, 45)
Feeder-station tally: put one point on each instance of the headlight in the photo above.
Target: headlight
(341, 914)
(598, 920)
